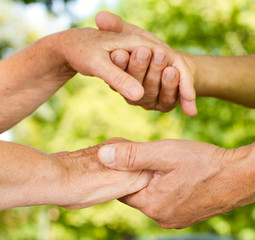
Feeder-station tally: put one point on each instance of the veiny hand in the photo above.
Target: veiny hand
(163, 93)
(88, 50)
(86, 182)
(192, 182)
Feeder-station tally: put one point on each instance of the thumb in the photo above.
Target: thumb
(119, 80)
(187, 92)
(110, 22)
(135, 156)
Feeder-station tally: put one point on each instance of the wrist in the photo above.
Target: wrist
(59, 67)
(239, 174)
(45, 186)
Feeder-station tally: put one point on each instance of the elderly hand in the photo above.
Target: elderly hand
(192, 182)
(33, 75)
(87, 182)
(88, 51)
(165, 73)
(69, 179)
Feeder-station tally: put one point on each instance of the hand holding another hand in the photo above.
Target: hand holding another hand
(86, 182)
(88, 50)
(192, 181)
(166, 74)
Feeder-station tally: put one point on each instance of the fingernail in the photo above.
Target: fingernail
(142, 56)
(170, 76)
(158, 57)
(120, 59)
(135, 92)
(107, 154)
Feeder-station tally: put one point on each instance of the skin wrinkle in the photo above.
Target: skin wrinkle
(207, 172)
(98, 179)
(131, 155)
(224, 184)
(33, 75)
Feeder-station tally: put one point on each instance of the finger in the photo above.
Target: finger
(120, 58)
(169, 89)
(122, 82)
(188, 106)
(110, 22)
(136, 200)
(152, 80)
(138, 156)
(187, 92)
(140, 200)
(128, 42)
(139, 62)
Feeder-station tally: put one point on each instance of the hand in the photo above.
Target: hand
(160, 82)
(187, 70)
(192, 182)
(53, 60)
(87, 51)
(87, 182)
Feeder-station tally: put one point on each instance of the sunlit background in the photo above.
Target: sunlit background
(86, 111)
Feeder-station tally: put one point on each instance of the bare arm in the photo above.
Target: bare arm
(31, 177)
(228, 78)
(31, 76)
(193, 181)
(27, 176)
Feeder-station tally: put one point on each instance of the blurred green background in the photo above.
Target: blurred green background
(86, 112)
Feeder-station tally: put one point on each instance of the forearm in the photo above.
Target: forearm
(228, 78)
(27, 176)
(29, 78)
(238, 177)
(73, 180)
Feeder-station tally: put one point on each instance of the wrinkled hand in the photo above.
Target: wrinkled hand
(192, 181)
(87, 51)
(160, 94)
(86, 182)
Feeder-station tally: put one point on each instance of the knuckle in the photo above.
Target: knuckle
(136, 67)
(165, 100)
(151, 94)
(140, 39)
(159, 50)
(130, 155)
(157, 68)
(149, 107)
(120, 57)
(166, 225)
(153, 211)
(136, 37)
(168, 101)
(119, 80)
(163, 109)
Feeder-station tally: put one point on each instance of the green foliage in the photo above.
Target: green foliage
(86, 112)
